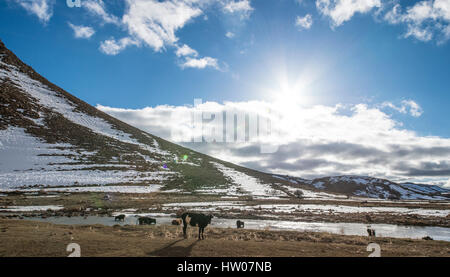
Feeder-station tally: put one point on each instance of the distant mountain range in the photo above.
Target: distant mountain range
(364, 186)
(51, 140)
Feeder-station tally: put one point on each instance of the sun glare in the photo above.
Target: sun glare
(291, 85)
(289, 93)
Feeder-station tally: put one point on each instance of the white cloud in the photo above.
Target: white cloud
(447, 185)
(191, 60)
(43, 9)
(97, 7)
(341, 11)
(242, 7)
(407, 106)
(313, 141)
(82, 31)
(155, 23)
(419, 33)
(304, 22)
(237, 6)
(230, 35)
(185, 50)
(446, 33)
(113, 47)
(414, 108)
(424, 20)
(200, 63)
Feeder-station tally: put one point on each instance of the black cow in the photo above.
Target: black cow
(120, 217)
(239, 224)
(146, 220)
(371, 232)
(199, 220)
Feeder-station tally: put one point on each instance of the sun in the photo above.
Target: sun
(289, 93)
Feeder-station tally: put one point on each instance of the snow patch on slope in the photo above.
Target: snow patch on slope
(249, 184)
(20, 151)
(26, 161)
(308, 194)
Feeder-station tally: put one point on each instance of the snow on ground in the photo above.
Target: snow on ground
(26, 160)
(31, 208)
(73, 178)
(105, 189)
(43, 196)
(309, 194)
(351, 209)
(205, 204)
(21, 151)
(250, 184)
(133, 214)
(411, 195)
(405, 194)
(374, 192)
(319, 185)
(362, 180)
(424, 188)
(293, 208)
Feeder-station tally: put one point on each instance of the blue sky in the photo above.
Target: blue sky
(392, 56)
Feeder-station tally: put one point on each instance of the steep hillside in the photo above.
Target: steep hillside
(49, 138)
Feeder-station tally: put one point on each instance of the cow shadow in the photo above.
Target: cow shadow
(174, 251)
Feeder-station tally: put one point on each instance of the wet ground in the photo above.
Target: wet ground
(341, 228)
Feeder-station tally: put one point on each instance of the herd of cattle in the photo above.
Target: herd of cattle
(192, 219)
(197, 220)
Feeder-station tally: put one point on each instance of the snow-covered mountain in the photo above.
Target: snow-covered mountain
(364, 186)
(50, 139)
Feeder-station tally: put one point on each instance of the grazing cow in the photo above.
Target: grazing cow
(199, 220)
(177, 221)
(146, 220)
(120, 217)
(239, 224)
(427, 238)
(371, 232)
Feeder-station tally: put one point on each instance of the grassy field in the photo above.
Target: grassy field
(28, 238)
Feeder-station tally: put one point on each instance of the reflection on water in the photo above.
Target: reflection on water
(359, 229)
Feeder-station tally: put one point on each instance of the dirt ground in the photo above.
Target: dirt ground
(29, 238)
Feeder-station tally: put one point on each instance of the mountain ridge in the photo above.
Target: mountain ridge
(373, 187)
